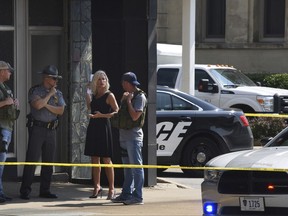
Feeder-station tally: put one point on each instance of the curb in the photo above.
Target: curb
(163, 180)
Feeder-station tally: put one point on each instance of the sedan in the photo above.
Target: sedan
(252, 182)
(191, 131)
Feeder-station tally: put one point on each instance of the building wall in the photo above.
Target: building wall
(81, 68)
(243, 45)
(252, 60)
(169, 21)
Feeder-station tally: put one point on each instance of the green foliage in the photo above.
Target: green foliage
(266, 127)
(270, 80)
(277, 81)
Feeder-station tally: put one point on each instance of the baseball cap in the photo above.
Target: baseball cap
(131, 78)
(4, 65)
(51, 71)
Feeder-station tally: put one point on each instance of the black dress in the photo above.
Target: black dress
(99, 136)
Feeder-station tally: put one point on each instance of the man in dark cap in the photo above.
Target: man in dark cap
(8, 114)
(46, 104)
(131, 140)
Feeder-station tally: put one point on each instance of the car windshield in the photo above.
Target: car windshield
(230, 78)
(280, 140)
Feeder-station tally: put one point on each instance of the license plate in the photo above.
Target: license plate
(252, 203)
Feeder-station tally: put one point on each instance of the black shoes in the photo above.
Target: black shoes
(24, 196)
(4, 198)
(96, 193)
(7, 198)
(48, 195)
(42, 195)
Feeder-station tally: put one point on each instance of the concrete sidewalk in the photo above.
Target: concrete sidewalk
(163, 199)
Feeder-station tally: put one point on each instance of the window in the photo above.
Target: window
(6, 46)
(46, 13)
(167, 77)
(274, 18)
(163, 101)
(199, 75)
(170, 102)
(179, 104)
(7, 12)
(215, 18)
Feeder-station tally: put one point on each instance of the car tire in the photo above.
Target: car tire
(197, 153)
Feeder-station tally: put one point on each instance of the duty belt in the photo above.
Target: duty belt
(49, 125)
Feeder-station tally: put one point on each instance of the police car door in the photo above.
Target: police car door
(174, 117)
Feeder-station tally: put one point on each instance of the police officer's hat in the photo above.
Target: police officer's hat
(5, 65)
(51, 71)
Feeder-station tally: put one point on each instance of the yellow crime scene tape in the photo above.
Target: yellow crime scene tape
(159, 166)
(273, 115)
(143, 166)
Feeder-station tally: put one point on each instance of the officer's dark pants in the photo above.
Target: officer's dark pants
(40, 140)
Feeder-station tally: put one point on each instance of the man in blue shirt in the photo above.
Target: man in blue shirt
(131, 142)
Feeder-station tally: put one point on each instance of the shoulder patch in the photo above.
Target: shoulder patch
(31, 90)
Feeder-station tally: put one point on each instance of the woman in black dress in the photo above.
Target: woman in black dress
(102, 105)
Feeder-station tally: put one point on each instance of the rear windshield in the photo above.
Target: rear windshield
(167, 77)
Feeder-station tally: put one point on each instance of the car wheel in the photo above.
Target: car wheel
(197, 153)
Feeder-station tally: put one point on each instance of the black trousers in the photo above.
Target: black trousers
(42, 142)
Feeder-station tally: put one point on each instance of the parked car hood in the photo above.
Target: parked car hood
(260, 90)
(266, 157)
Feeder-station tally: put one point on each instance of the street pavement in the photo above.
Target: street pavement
(166, 198)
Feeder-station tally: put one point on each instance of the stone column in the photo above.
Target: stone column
(81, 68)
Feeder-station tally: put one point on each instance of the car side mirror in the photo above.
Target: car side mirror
(205, 86)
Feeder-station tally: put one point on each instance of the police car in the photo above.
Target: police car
(191, 131)
(251, 182)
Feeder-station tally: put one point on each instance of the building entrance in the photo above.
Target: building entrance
(32, 36)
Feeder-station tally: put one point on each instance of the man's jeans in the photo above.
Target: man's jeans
(6, 136)
(133, 177)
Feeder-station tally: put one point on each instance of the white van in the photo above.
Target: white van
(226, 87)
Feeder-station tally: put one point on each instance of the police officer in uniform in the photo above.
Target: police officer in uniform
(8, 115)
(46, 104)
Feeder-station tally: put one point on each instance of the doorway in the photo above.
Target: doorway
(46, 49)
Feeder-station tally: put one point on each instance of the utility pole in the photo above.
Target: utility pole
(188, 45)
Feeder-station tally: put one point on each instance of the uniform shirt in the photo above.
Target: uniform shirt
(44, 114)
(6, 124)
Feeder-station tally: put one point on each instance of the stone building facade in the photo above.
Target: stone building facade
(251, 35)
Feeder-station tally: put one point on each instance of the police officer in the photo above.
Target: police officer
(8, 104)
(46, 104)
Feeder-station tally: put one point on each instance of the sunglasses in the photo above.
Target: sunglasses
(54, 78)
